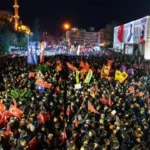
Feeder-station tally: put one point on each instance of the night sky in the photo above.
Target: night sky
(81, 13)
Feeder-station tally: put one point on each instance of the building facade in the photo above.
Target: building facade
(82, 37)
(134, 37)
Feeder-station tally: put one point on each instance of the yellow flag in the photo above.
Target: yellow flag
(117, 75)
(123, 77)
(106, 70)
(77, 77)
(89, 76)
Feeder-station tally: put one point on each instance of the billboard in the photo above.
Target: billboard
(33, 47)
(133, 32)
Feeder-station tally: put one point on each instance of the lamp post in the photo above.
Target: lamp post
(66, 27)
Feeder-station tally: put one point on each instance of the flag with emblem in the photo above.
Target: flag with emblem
(117, 75)
(123, 77)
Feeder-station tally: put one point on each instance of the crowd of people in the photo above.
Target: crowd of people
(100, 114)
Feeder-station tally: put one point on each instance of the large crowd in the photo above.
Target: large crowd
(100, 114)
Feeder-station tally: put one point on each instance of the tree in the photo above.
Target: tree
(36, 28)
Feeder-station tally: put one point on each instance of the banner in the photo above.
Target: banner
(89, 76)
(77, 77)
(33, 47)
(130, 30)
(42, 46)
(120, 33)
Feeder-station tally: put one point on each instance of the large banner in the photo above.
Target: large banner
(32, 57)
(133, 32)
(140, 30)
(42, 51)
(129, 33)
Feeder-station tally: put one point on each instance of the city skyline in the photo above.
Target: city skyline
(81, 13)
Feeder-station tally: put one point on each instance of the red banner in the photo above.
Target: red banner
(120, 33)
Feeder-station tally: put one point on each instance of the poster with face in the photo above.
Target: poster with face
(140, 30)
(32, 53)
(130, 30)
(29, 54)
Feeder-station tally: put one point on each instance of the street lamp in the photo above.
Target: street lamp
(66, 26)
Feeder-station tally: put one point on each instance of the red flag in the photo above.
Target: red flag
(131, 89)
(43, 117)
(59, 67)
(110, 102)
(16, 112)
(92, 109)
(31, 74)
(33, 144)
(140, 94)
(7, 133)
(137, 83)
(2, 107)
(87, 66)
(68, 111)
(64, 137)
(82, 64)
(42, 56)
(4, 116)
(70, 66)
(120, 33)
(104, 100)
(47, 85)
(57, 89)
(109, 62)
(75, 122)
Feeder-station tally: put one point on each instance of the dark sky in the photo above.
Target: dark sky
(81, 13)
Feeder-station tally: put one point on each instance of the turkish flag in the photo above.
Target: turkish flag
(92, 109)
(64, 137)
(2, 107)
(43, 117)
(33, 144)
(120, 33)
(104, 100)
(75, 122)
(110, 102)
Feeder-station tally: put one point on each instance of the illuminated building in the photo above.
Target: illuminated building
(133, 38)
(6, 15)
(24, 28)
(82, 37)
(18, 26)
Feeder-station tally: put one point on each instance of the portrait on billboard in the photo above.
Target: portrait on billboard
(130, 33)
